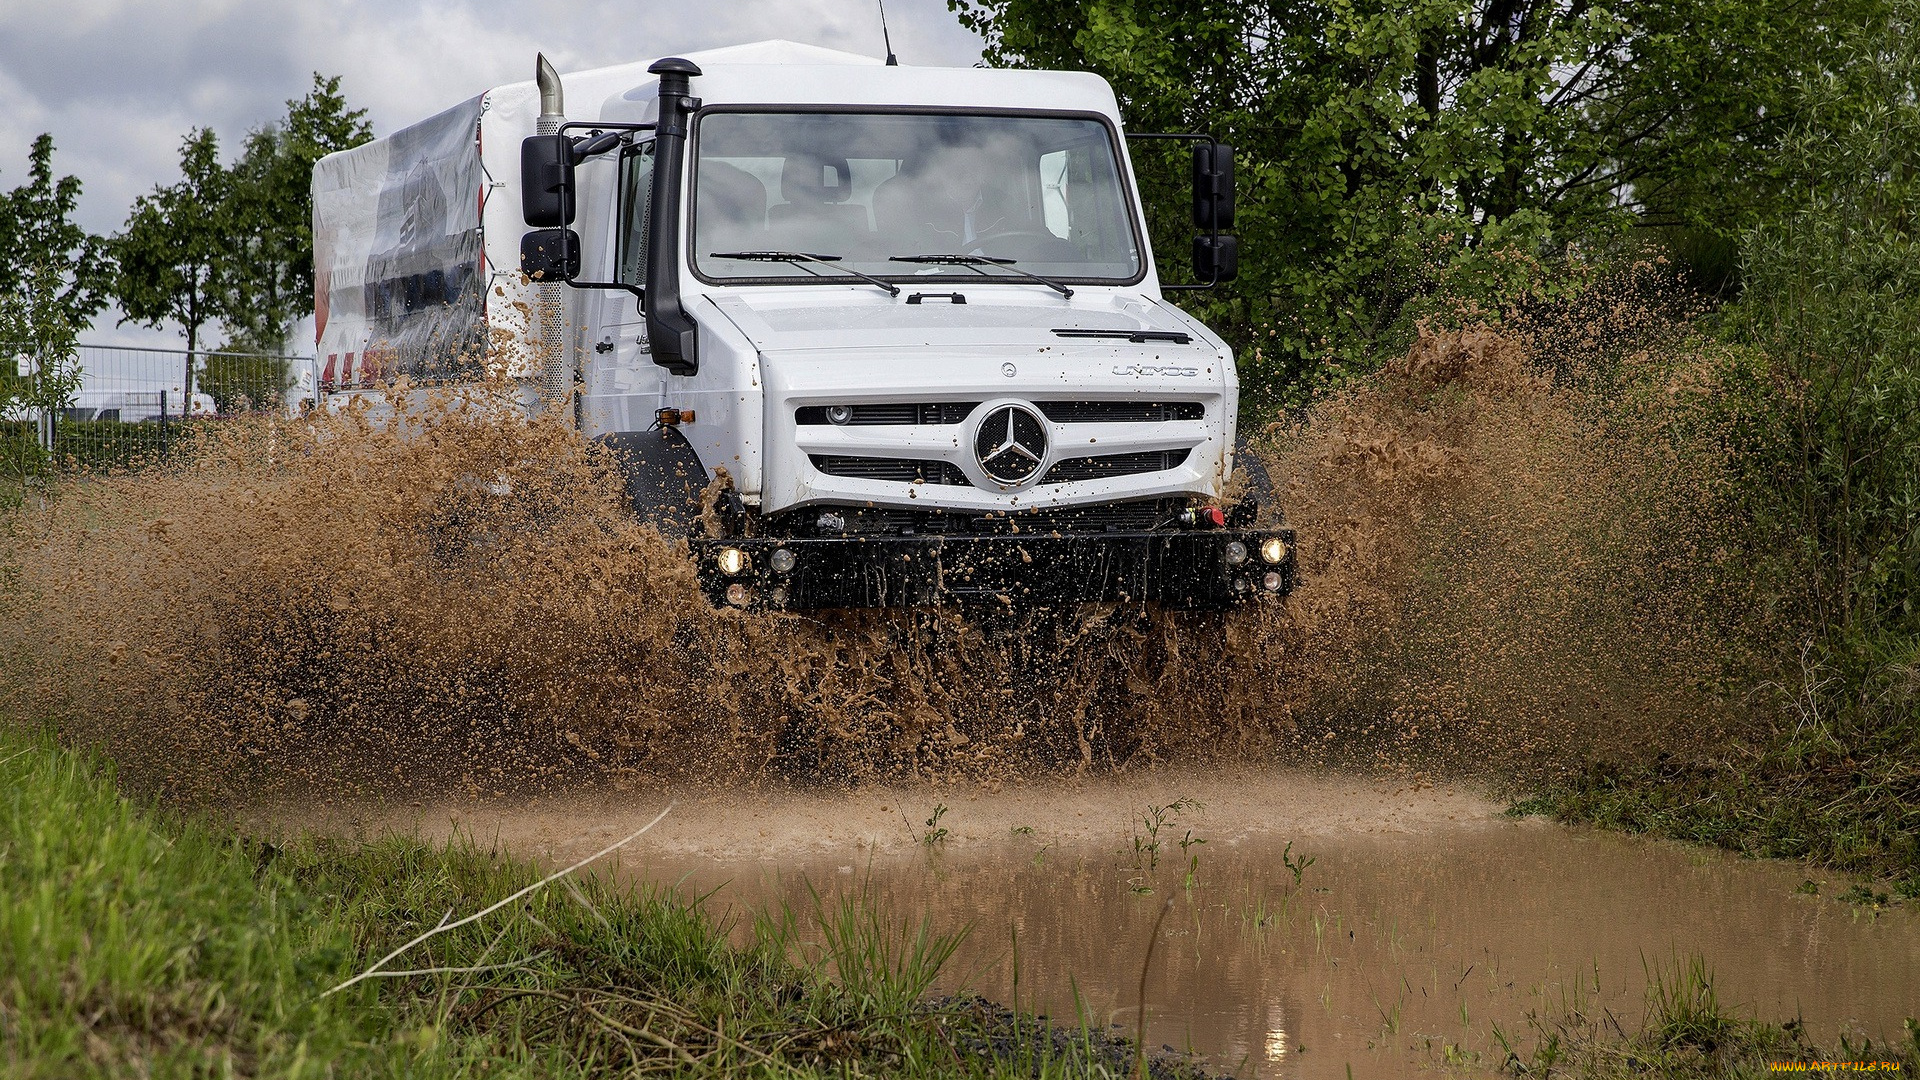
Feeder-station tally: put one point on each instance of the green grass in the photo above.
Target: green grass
(1834, 780)
(1687, 1033)
(138, 942)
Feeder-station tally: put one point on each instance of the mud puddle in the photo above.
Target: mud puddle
(1317, 922)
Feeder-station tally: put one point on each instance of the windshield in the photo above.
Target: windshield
(866, 188)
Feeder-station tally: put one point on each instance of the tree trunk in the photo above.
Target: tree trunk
(193, 346)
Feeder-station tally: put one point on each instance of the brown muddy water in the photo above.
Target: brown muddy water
(1421, 921)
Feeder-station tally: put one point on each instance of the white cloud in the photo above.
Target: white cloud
(120, 82)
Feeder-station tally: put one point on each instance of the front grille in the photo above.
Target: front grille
(1100, 468)
(898, 470)
(1120, 412)
(1142, 516)
(891, 413)
(1115, 517)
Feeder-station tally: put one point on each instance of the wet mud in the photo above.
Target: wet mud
(1502, 570)
(1423, 924)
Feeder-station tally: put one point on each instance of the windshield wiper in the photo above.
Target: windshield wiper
(1137, 337)
(831, 262)
(978, 261)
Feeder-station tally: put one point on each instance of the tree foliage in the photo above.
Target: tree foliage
(174, 254)
(1833, 299)
(37, 232)
(36, 324)
(271, 216)
(1388, 149)
(232, 245)
(39, 368)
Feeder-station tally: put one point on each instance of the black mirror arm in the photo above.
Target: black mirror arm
(603, 136)
(1210, 283)
(1213, 281)
(639, 294)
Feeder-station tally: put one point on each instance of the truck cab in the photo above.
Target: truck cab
(869, 335)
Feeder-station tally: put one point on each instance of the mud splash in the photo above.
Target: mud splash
(1499, 567)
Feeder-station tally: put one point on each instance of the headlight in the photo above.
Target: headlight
(1273, 549)
(1236, 553)
(731, 561)
(781, 560)
(1273, 581)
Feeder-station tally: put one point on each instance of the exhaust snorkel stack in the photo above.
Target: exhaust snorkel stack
(673, 333)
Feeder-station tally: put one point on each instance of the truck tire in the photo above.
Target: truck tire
(1260, 486)
(664, 478)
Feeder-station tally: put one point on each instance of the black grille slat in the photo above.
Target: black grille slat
(1119, 517)
(1120, 412)
(902, 413)
(1109, 465)
(1138, 516)
(890, 413)
(897, 470)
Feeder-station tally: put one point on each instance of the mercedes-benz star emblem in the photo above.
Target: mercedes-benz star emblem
(1011, 443)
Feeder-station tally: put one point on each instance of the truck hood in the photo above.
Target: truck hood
(1101, 445)
(798, 319)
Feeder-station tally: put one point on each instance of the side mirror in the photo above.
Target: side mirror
(549, 255)
(546, 181)
(1216, 259)
(1212, 186)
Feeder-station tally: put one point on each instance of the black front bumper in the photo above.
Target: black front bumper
(1178, 569)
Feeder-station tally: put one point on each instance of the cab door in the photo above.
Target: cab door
(623, 386)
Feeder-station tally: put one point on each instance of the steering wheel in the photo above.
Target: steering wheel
(1037, 240)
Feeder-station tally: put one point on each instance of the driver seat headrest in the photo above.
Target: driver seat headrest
(815, 180)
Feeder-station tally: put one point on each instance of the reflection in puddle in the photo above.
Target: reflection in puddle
(1392, 954)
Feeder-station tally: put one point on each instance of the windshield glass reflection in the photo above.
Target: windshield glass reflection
(1042, 191)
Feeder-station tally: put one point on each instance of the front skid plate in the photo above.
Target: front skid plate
(1178, 569)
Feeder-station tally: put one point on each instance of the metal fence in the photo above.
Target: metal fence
(132, 405)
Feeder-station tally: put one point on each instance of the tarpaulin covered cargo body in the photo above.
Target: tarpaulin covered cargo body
(416, 241)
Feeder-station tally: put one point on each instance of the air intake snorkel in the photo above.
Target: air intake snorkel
(673, 334)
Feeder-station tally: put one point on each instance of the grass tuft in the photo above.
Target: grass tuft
(1687, 1033)
(135, 942)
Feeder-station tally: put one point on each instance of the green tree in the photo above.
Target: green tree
(268, 284)
(39, 372)
(238, 380)
(37, 232)
(1393, 154)
(176, 246)
(1833, 299)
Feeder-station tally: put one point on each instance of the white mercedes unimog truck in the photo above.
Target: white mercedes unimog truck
(898, 327)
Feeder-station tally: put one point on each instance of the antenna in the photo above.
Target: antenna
(884, 36)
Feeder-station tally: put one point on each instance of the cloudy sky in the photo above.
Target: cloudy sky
(118, 83)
